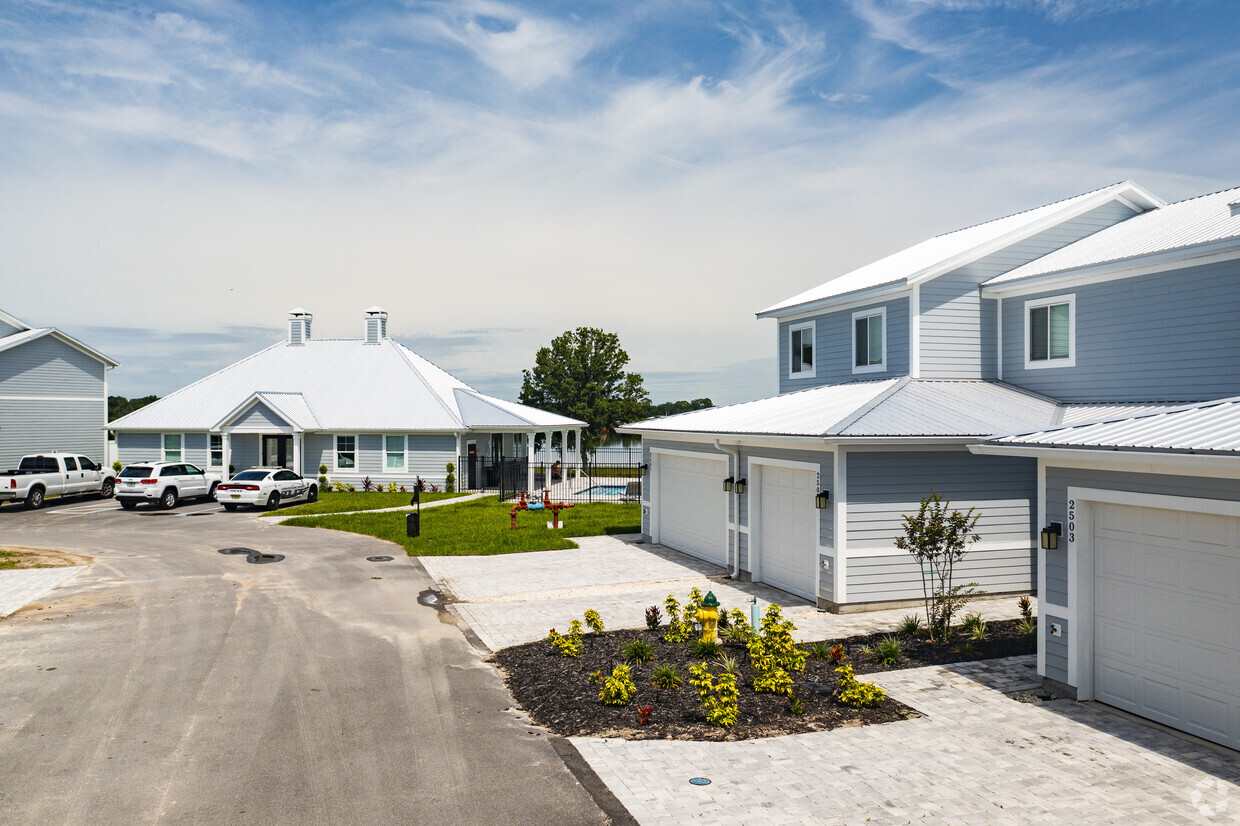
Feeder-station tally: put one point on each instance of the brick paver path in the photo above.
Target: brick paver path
(22, 587)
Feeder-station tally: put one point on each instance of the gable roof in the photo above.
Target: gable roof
(944, 253)
(1195, 224)
(334, 385)
(884, 409)
(32, 333)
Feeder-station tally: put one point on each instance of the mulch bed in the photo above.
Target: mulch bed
(556, 692)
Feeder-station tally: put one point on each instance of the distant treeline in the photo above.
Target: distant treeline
(120, 406)
(671, 408)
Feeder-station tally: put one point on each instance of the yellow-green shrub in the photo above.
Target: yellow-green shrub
(719, 697)
(855, 693)
(569, 645)
(774, 654)
(594, 620)
(619, 688)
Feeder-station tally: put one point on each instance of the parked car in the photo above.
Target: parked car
(54, 474)
(265, 486)
(165, 483)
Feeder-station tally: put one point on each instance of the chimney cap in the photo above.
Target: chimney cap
(376, 311)
(298, 312)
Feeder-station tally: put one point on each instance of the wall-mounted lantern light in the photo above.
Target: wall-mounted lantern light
(740, 485)
(642, 468)
(1050, 536)
(821, 500)
(727, 484)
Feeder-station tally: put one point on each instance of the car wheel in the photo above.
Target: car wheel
(313, 494)
(230, 508)
(34, 499)
(169, 499)
(106, 491)
(211, 493)
(273, 501)
(128, 505)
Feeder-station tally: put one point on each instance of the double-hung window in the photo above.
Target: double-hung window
(801, 353)
(1050, 325)
(172, 447)
(395, 452)
(870, 341)
(217, 450)
(346, 452)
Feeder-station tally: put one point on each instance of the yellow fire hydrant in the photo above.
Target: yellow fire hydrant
(708, 618)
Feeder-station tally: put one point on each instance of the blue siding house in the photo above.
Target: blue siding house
(53, 393)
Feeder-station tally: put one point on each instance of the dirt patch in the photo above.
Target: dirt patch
(15, 558)
(557, 693)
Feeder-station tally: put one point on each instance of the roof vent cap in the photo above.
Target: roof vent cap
(299, 321)
(376, 319)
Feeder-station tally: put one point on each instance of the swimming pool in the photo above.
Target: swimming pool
(605, 490)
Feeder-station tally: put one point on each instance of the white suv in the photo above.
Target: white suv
(164, 483)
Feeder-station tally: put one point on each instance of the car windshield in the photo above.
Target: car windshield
(134, 472)
(250, 475)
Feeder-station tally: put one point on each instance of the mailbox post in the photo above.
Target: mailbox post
(413, 519)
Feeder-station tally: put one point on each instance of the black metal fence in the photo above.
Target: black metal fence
(604, 476)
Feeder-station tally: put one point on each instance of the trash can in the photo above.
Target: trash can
(412, 524)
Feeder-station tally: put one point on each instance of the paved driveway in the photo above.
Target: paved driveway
(170, 683)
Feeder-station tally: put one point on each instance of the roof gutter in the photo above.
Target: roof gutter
(1195, 461)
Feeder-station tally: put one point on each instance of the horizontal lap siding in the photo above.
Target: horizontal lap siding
(370, 455)
(1056, 647)
(49, 367)
(47, 426)
(318, 449)
(1161, 337)
(243, 450)
(260, 417)
(429, 454)
(880, 578)
(195, 450)
(826, 580)
(833, 346)
(137, 447)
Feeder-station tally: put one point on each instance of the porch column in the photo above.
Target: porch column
(529, 462)
(563, 447)
(226, 444)
(297, 464)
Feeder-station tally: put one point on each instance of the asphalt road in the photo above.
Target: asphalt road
(171, 683)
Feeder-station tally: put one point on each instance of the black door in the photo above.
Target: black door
(278, 451)
(473, 466)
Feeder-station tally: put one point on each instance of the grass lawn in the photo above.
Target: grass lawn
(481, 526)
(8, 560)
(358, 501)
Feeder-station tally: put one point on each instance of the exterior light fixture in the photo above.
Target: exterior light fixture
(1050, 536)
(643, 468)
(821, 500)
(740, 485)
(727, 483)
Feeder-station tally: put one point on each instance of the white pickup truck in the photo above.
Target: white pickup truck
(55, 474)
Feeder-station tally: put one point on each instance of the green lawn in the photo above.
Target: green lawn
(8, 560)
(358, 501)
(481, 526)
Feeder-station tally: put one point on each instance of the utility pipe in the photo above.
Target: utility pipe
(734, 554)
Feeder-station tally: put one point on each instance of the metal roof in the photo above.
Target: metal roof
(1208, 427)
(1206, 219)
(946, 252)
(333, 385)
(887, 408)
(1097, 411)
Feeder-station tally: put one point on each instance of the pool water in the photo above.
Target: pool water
(606, 490)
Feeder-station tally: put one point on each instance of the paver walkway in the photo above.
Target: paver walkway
(22, 587)
(977, 757)
(515, 598)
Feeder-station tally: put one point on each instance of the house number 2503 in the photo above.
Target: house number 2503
(1071, 520)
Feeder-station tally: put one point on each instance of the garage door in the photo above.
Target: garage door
(1166, 616)
(692, 507)
(788, 526)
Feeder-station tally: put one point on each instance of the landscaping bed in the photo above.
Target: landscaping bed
(557, 693)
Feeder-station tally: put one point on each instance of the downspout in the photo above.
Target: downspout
(734, 555)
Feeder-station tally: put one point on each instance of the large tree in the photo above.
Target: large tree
(582, 375)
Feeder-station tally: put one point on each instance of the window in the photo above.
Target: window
(285, 476)
(801, 342)
(70, 463)
(217, 451)
(87, 464)
(192, 469)
(395, 452)
(870, 341)
(172, 447)
(346, 453)
(1050, 339)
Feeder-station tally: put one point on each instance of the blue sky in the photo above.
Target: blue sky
(174, 177)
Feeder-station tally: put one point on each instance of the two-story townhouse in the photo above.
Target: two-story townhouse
(53, 393)
(886, 375)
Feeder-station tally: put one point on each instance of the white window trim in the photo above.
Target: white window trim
(404, 452)
(357, 440)
(211, 451)
(881, 367)
(163, 448)
(813, 337)
(1070, 361)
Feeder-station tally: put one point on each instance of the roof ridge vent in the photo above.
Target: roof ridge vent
(376, 319)
(299, 321)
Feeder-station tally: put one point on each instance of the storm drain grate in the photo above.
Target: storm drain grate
(700, 781)
(378, 559)
(238, 551)
(262, 559)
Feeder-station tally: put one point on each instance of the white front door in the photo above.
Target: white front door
(788, 529)
(1167, 617)
(692, 506)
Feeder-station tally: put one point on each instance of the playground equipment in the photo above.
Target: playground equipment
(545, 504)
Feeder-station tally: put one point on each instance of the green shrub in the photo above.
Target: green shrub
(774, 655)
(796, 705)
(1026, 608)
(449, 481)
(666, 677)
(910, 626)
(322, 470)
(619, 688)
(392, 487)
(1029, 630)
(855, 693)
(819, 651)
(323, 486)
(735, 633)
(888, 650)
(729, 664)
(594, 620)
(117, 467)
(677, 629)
(974, 626)
(637, 651)
(569, 645)
(653, 617)
(704, 649)
(719, 698)
(965, 647)
(737, 619)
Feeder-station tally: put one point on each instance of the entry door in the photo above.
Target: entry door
(278, 451)
(1166, 617)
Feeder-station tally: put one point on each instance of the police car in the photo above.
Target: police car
(266, 487)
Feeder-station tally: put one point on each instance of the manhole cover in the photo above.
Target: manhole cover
(429, 598)
(378, 559)
(262, 559)
(238, 551)
(700, 781)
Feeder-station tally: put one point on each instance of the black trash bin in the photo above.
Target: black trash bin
(413, 525)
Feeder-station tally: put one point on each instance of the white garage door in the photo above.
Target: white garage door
(1166, 617)
(692, 507)
(788, 525)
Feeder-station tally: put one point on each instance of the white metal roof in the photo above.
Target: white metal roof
(1098, 411)
(946, 252)
(887, 408)
(1206, 219)
(329, 384)
(1208, 427)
